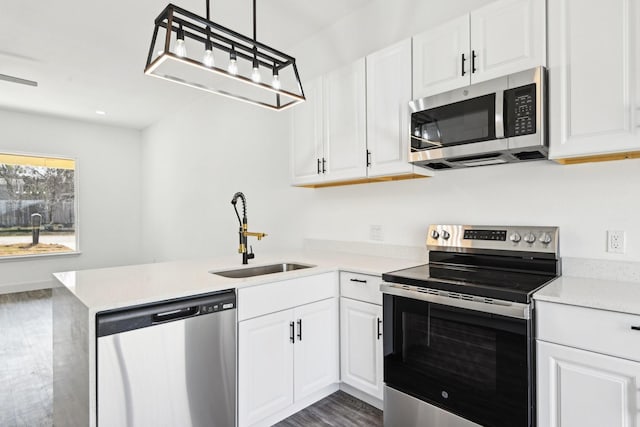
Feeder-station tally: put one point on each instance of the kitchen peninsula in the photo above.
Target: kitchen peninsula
(88, 292)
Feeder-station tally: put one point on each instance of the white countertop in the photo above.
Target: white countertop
(609, 295)
(110, 288)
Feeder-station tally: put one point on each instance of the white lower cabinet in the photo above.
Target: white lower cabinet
(588, 367)
(285, 357)
(315, 353)
(265, 366)
(578, 388)
(361, 346)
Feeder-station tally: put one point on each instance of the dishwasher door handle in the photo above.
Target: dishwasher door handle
(181, 313)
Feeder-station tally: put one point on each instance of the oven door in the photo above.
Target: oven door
(471, 363)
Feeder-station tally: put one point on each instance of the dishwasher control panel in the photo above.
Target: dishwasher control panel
(130, 318)
(218, 306)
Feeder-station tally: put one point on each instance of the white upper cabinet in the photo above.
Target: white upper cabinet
(593, 67)
(306, 148)
(506, 37)
(501, 38)
(388, 96)
(354, 126)
(441, 60)
(345, 125)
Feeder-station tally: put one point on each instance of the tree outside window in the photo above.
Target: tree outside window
(37, 205)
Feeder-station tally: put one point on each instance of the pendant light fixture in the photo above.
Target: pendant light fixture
(196, 52)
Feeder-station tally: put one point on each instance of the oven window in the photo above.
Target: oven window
(452, 349)
(462, 122)
(470, 363)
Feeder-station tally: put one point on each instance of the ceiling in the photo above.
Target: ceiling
(89, 56)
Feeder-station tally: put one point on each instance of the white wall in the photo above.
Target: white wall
(108, 166)
(583, 200)
(197, 160)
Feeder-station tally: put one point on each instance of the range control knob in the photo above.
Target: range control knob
(529, 238)
(445, 235)
(515, 238)
(545, 238)
(435, 234)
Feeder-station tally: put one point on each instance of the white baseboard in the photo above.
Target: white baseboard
(28, 286)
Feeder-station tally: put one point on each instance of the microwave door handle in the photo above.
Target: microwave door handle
(500, 114)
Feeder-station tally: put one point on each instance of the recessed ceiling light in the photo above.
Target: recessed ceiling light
(101, 113)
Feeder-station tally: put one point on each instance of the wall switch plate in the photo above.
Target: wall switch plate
(375, 233)
(615, 241)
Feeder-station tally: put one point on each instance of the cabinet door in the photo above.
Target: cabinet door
(388, 96)
(265, 366)
(578, 388)
(345, 146)
(438, 64)
(316, 348)
(361, 346)
(507, 36)
(306, 136)
(593, 95)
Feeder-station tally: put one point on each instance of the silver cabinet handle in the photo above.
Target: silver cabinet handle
(291, 332)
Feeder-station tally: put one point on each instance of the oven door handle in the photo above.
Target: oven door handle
(506, 308)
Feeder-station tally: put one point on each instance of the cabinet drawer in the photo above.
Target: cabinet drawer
(362, 287)
(605, 332)
(271, 297)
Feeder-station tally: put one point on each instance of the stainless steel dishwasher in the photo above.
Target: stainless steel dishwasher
(168, 364)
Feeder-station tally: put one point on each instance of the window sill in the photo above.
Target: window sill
(39, 256)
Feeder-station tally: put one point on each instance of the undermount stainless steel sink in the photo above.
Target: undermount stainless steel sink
(261, 270)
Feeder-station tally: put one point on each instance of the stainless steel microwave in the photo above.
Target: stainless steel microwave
(503, 120)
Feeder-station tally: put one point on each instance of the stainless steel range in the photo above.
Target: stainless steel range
(459, 347)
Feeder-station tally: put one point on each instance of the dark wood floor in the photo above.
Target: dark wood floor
(336, 410)
(25, 359)
(26, 373)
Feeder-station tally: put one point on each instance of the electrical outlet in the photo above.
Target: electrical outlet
(615, 241)
(375, 233)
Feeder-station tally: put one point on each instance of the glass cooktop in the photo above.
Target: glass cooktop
(516, 286)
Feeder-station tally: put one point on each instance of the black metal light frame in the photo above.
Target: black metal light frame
(175, 19)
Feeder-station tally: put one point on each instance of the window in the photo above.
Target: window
(37, 205)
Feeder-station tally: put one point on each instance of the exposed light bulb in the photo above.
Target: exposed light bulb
(207, 59)
(275, 83)
(233, 66)
(181, 49)
(255, 75)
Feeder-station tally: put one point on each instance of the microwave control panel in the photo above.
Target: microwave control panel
(520, 111)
